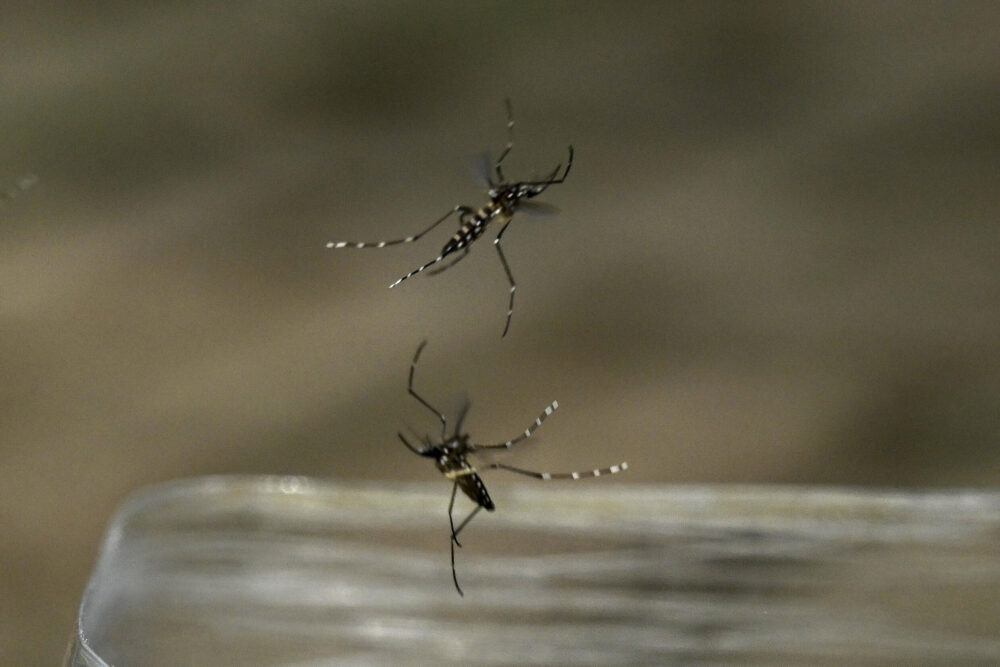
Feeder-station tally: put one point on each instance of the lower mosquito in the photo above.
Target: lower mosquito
(451, 455)
(505, 198)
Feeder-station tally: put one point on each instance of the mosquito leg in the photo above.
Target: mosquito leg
(569, 165)
(510, 278)
(419, 269)
(409, 446)
(382, 244)
(434, 272)
(454, 541)
(454, 244)
(597, 472)
(552, 180)
(465, 522)
(451, 521)
(510, 140)
(409, 387)
(527, 432)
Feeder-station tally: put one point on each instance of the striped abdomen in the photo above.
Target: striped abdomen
(472, 228)
(455, 466)
(472, 486)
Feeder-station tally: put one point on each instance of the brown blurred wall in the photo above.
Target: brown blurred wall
(776, 261)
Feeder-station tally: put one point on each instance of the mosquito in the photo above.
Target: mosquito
(451, 455)
(505, 198)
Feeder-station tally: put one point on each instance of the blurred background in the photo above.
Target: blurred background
(776, 259)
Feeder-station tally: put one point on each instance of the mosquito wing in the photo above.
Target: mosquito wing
(482, 168)
(537, 208)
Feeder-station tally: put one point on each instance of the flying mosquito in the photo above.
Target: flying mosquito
(451, 455)
(505, 198)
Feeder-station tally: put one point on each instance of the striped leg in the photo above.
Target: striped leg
(527, 432)
(419, 269)
(597, 472)
(382, 244)
(447, 266)
(510, 278)
(414, 394)
(448, 249)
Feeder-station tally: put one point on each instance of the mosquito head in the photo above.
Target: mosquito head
(431, 449)
(457, 443)
(527, 191)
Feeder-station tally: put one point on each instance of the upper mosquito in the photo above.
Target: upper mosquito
(505, 197)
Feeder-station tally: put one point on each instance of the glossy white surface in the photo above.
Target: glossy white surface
(292, 571)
